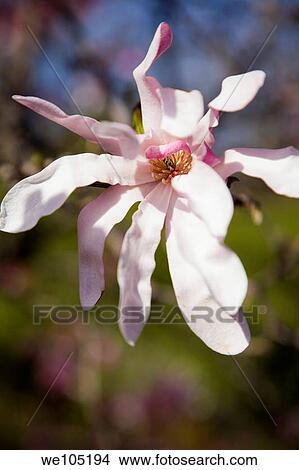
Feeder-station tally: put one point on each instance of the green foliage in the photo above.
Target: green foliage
(137, 119)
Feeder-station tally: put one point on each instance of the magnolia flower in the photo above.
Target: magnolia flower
(181, 184)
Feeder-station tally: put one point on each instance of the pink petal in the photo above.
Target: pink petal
(181, 111)
(137, 260)
(95, 221)
(147, 86)
(202, 135)
(279, 168)
(115, 138)
(238, 91)
(208, 196)
(175, 112)
(222, 330)
(118, 139)
(211, 159)
(43, 193)
(158, 152)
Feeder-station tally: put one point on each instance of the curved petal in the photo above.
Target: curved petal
(202, 135)
(118, 139)
(279, 168)
(158, 152)
(238, 90)
(175, 112)
(220, 267)
(44, 192)
(147, 86)
(115, 138)
(95, 221)
(211, 159)
(181, 111)
(222, 330)
(208, 196)
(137, 261)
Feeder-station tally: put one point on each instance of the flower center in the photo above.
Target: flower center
(179, 163)
(169, 160)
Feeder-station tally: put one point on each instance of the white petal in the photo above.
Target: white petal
(238, 91)
(165, 110)
(118, 139)
(220, 267)
(208, 196)
(137, 260)
(114, 137)
(44, 192)
(95, 221)
(147, 86)
(181, 111)
(203, 133)
(222, 330)
(279, 168)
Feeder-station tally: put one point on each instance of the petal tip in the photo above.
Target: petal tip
(262, 75)
(21, 99)
(2, 224)
(17, 97)
(166, 29)
(233, 351)
(7, 223)
(130, 333)
(237, 91)
(87, 303)
(236, 346)
(165, 40)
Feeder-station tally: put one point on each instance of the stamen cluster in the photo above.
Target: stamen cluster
(178, 163)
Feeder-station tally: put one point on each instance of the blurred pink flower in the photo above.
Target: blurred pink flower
(15, 278)
(49, 355)
(172, 170)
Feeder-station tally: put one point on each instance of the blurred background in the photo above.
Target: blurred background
(170, 391)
